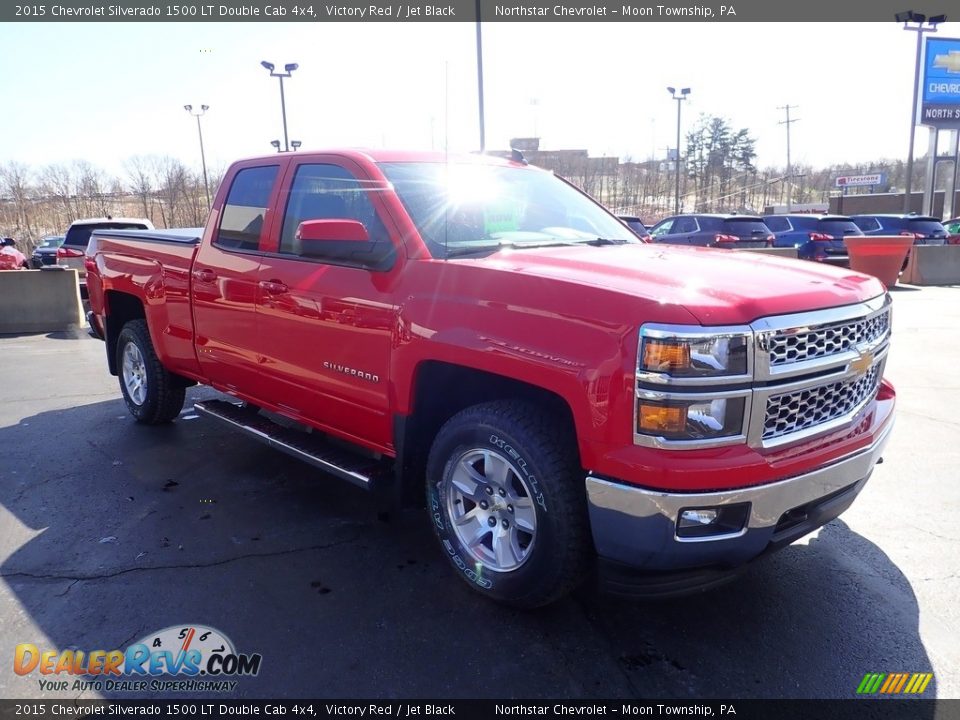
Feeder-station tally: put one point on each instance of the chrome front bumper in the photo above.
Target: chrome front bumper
(638, 528)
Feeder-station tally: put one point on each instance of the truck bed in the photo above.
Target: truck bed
(155, 266)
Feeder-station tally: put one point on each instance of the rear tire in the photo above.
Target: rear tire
(507, 500)
(153, 395)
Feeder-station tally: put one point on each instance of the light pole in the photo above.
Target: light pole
(907, 17)
(483, 137)
(276, 145)
(679, 98)
(203, 157)
(287, 71)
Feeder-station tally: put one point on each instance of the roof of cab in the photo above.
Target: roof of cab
(380, 155)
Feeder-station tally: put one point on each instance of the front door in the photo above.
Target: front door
(326, 324)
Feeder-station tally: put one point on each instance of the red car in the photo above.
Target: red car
(477, 336)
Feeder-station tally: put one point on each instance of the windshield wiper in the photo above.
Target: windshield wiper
(597, 242)
(476, 248)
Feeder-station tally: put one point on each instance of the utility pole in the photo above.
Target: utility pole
(787, 122)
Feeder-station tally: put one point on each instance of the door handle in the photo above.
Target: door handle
(274, 287)
(206, 275)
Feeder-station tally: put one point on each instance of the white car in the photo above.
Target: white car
(70, 253)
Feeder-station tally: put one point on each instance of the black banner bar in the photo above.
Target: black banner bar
(449, 10)
(874, 709)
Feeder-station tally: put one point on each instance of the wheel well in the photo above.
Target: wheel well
(441, 390)
(122, 308)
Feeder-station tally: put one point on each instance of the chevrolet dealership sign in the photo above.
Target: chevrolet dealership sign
(941, 83)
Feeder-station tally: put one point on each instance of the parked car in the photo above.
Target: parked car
(637, 226)
(924, 230)
(953, 231)
(46, 252)
(713, 230)
(482, 340)
(10, 256)
(71, 251)
(816, 237)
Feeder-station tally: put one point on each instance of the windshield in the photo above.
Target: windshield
(462, 208)
(51, 242)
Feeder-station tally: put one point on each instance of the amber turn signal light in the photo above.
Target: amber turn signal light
(662, 356)
(660, 419)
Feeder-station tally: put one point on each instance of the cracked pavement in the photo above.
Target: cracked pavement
(110, 531)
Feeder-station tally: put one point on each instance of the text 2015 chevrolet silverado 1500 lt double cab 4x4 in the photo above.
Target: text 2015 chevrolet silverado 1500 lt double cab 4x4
(567, 397)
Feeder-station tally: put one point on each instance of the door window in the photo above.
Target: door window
(662, 229)
(241, 221)
(684, 225)
(328, 192)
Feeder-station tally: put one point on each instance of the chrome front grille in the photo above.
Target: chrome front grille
(802, 409)
(799, 344)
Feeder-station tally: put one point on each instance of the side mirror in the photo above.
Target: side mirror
(332, 230)
(341, 241)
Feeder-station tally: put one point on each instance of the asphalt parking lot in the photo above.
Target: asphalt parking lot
(110, 531)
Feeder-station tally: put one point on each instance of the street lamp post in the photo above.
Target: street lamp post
(679, 98)
(288, 71)
(907, 17)
(203, 157)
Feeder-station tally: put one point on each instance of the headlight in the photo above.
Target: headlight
(705, 356)
(694, 419)
(693, 385)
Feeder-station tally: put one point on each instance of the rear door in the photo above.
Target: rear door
(225, 276)
(326, 326)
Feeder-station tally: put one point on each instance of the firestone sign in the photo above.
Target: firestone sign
(941, 83)
(845, 181)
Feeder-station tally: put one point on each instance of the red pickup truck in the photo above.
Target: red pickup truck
(477, 335)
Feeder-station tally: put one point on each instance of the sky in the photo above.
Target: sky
(103, 92)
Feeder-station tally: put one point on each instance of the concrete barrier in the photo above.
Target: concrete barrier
(39, 301)
(933, 265)
(782, 252)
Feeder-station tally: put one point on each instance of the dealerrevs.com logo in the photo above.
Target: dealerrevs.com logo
(204, 656)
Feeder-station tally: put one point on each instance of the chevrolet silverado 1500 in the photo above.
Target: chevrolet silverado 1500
(478, 335)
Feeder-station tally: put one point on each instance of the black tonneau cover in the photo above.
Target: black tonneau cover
(184, 236)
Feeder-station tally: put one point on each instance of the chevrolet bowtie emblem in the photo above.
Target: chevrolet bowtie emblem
(949, 62)
(863, 363)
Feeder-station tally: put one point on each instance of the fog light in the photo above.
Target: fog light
(696, 518)
(707, 523)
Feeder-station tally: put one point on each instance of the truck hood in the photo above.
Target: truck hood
(718, 287)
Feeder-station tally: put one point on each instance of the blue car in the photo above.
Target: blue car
(816, 237)
(924, 230)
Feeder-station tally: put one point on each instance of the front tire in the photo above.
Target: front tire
(152, 394)
(507, 499)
